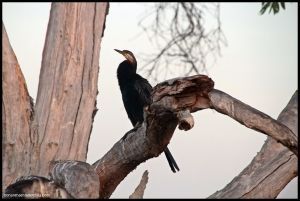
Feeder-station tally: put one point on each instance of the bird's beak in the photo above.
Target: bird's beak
(128, 55)
(119, 51)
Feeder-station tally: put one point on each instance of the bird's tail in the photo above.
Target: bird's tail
(171, 160)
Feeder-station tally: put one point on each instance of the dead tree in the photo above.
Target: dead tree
(51, 137)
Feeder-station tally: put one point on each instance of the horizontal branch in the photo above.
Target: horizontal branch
(182, 94)
(254, 119)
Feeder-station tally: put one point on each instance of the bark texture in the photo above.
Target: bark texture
(254, 119)
(78, 178)
(17, 112)
(67, 90)
(60, 124)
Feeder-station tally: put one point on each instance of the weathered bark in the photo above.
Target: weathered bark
(140, 189)
(16, 116)
(254, 119)
(144, 143)
(177, 94)
(68, 81)
(273, 167)
(78, 178)
(60, 125)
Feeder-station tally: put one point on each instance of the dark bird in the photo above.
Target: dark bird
(136, 94)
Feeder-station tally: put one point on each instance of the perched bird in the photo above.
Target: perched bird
(136, 94)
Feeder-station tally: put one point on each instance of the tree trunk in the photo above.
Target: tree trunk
(67, 89)
(66, 99)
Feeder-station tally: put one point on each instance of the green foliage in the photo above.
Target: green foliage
(275, 6)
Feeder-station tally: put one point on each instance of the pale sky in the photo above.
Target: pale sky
(258, 67)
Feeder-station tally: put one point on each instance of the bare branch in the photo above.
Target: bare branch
(228, 105)
(178, 32)
(139, 191)
(253, 119)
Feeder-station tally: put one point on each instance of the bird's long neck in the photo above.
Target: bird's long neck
(132, 60)
(126, 72)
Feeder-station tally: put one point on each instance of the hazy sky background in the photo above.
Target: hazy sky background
(258, 67)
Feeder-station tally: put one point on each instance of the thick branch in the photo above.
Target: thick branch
(273, 167)
(253, 119)
(17, 111)
(181, 95)
(147, 141)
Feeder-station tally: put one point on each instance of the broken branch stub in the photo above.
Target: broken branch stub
(186, 120)
(140, 189)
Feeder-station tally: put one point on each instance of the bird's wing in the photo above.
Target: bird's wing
(144, 89)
